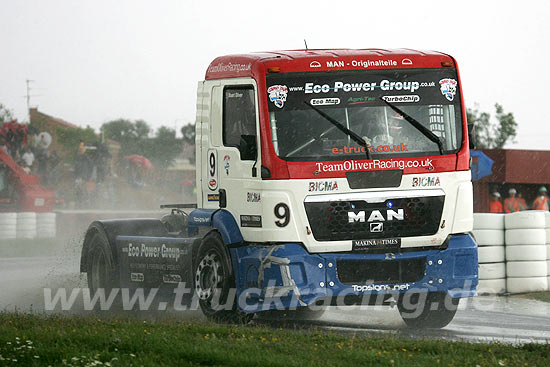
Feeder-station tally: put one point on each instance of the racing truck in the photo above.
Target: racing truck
(329, 177)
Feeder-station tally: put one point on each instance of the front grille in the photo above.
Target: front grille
(380, 271)
(329, 220)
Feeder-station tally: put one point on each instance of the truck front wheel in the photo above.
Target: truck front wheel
(427, 310)
(215, 284)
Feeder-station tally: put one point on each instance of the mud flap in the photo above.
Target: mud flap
(155, 262)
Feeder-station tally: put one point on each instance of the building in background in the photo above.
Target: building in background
(524, 170)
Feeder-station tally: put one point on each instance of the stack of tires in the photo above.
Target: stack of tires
(8, 225)
(45, 225)
(26, 225)
(489, 235)
(525, 239)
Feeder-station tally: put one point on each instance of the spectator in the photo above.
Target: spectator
(541, 201)
(28, 158)
(495, 206)
(512, 204)
(522, 203)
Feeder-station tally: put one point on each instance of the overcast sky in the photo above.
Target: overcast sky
(95, 61)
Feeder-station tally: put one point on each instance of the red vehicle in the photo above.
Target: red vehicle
(20, 191)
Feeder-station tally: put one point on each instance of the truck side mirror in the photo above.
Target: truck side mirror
(471, 135)
(247, 147)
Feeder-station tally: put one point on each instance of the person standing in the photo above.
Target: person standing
(541, 201)
(522, 202)
(495, 206)
(511, 203)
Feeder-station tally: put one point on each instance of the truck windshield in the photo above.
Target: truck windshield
(362, 102)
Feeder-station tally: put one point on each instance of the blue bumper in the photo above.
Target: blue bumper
(287, 276)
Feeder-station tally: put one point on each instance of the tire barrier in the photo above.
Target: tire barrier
(529, 219)
(491, 286)
(46, 225)
(513, 252)
(489, 237)
(523, 285)
(27, 225)
(493, 254)
(488, 221)
(492, 271)
(8, 225)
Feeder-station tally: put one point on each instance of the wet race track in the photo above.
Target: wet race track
(487, 318)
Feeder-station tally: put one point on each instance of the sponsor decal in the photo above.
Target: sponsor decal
(278, 94)
(339, 86)
(39, 202)
(378, 149)
(426, 181)
(315, 64)
(137, 277)
(171, 278)
(324, 101)
(406, 62)
(201, 220)
(381, 287)
(253, 197)
(358, 100)
(374, 165)
(402, 99)
(155, 251)
(221, 67)
(448, 88)
(212, 169)
(213, 197)
(251, 221)
(361, 63)
(376, 215)
(226, 160)
(383, 243)
(320, 186)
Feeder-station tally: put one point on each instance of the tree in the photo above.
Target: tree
(488, 134)
(69, 139)
(188, 133)
(135, 138)
(5, 114)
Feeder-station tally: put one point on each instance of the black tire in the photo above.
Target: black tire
(427, 311)
(101, 268)
(215, 283)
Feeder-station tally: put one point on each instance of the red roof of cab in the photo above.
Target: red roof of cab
(255, 64)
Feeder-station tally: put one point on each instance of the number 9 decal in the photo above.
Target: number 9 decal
(212, 169)
(282, 213)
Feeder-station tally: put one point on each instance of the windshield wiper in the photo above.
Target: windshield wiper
(418, 126)
(353, 135)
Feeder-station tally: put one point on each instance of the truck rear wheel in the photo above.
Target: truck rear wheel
(215, 284)
(428, 311)
(101, 268)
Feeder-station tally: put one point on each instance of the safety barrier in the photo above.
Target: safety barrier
(27, 225)
(514, 251)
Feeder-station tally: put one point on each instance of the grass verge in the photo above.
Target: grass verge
(27, 340)
(539, 296)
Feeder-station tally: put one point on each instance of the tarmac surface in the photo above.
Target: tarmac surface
(23, 281)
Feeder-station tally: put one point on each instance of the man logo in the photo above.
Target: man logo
(376, 215)
(376, 227)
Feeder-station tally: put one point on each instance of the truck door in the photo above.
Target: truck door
(233, 155)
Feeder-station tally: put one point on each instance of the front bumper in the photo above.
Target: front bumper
(287, 276)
